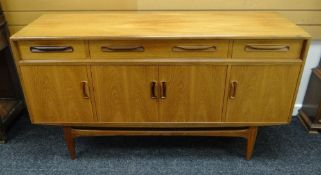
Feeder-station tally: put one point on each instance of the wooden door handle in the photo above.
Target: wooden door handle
(153, 90)
(124, 48)
(85, 90)
(233, 88)
(266, 47)
(194, 48)
(44, 49)
(163, 90)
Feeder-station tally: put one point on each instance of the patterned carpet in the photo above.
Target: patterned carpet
(34, 149)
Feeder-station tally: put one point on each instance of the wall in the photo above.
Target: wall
(306, 14)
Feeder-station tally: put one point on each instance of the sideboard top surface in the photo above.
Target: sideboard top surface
(161, 25)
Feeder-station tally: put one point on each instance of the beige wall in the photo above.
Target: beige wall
(305, 13)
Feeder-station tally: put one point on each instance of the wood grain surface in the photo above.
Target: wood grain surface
(162, 25)
(193, 93)
(263, 93)
(55, 94)
(80, 50)
(160, 49)
(123, 93)
(293, 49)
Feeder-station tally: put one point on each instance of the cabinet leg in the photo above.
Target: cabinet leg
(251, 138)
(70, 142)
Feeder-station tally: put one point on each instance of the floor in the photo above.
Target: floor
(34, 149)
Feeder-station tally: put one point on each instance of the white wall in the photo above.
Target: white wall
(312, 61)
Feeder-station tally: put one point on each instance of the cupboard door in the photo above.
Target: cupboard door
(123, 93)
(57, 94)
(261, 94)
(192, 94)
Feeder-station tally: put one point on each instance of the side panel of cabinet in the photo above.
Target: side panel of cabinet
(57, 94)
(123, 93)
(193, 93)
(263, 94)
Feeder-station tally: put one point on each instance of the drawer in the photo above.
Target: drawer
(159, 49)
(52, 50)
(278, 49)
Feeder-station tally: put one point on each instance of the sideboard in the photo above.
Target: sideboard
(160, 73)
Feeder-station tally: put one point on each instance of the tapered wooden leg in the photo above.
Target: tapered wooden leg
(251, 138)
(70, 142)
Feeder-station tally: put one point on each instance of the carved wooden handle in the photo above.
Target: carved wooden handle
(266, 47)
(122, 49)
(233, 87)
(153, 90)
(163, 90)
(194, 48)
(85, 91)
(44, 49)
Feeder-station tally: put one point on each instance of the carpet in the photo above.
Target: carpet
(36, 149)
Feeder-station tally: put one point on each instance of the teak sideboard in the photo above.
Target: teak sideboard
(161, 73)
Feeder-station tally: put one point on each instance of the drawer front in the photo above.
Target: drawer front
(278, 49)
(52, 50)
(159, 49)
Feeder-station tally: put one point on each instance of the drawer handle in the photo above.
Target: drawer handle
(84, 85)
(266, 47)
(194, 48)
(233, 87)
(163, 90)
(44, 49)
(122, 49)
(153, 91)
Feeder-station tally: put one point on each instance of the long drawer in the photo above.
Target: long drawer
(261, 49)
(52, 49)
(159, 49)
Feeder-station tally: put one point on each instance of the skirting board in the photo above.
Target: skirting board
(296, 109)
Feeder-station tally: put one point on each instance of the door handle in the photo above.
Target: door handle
(163, 90)
(233, 88)
(153, 90)
(85, 90)
(122, 49)
(194, 48)
(44, 49)
(266, 47)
